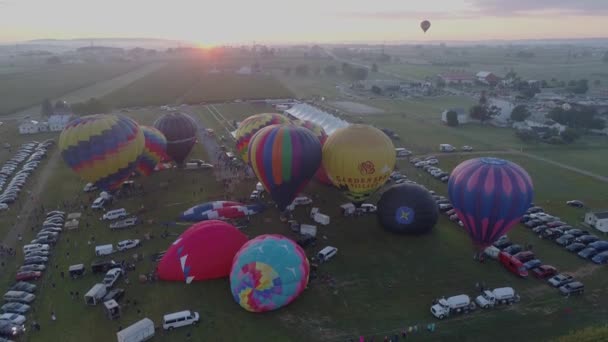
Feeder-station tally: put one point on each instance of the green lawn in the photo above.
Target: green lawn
(593, 160)
(217, 88)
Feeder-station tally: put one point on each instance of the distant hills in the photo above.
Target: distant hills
(147, 43)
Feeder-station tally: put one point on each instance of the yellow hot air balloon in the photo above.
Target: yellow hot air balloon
(358, 159)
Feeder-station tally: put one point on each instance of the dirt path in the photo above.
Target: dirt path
(44, 173)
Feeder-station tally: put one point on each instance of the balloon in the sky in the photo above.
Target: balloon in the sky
(358, 159)
(102, 149)
(250, 126)
(425, 25)
(284, 158)
(490, 195)
(155, 150)
(319, 132)
(204, 251)
(268, 273)
(180, 131)
(407, 209)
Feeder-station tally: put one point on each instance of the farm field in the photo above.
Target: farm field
(589, 159)
(24, 89)
(219, 88)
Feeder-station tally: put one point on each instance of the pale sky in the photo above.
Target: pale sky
(284, 21)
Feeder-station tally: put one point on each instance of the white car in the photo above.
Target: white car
(432, 162)
(13, 318)
(128, 244)
(3, 206)
(89, 187)
(467, 148)
(255, 195)
(111, 277)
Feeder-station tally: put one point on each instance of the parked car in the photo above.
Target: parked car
(600, 245)
(512, 264)
(552, 233)
(102, 266)
(560, 280)
(23, 286)
(9, 329)
(534, 263)
(513, 249)
(14, 318)
(575, 247)
(115, 294)
(130, 222)
(544, 271)
(588, 253)
(32, 267)
(539, 229)
(600, 258)
(29, 275)
(576, 203)
(467, 148)
(575, 232)
(586, 239)
(502, 243)
(14, 307)
(533, 223)
(524, 256)
(572, 288)
(111, 277)
(565, 240)
(307, 241)
(128, 244)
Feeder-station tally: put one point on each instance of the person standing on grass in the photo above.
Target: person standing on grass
(53, 317)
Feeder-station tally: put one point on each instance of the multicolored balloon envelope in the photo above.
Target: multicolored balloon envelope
(250, 126)
(268, 273)
(358, 159)
(102, 149)
(180, 131)
(155, 150)
(319, 132)
(489, 195)
(204, 251)
(195, 213)
(284, 158)
(407, 209)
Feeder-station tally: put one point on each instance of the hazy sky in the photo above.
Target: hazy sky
(237, 21)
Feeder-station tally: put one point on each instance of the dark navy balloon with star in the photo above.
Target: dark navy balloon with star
(407, 209)
(489, 195)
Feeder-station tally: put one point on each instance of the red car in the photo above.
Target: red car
(512, 264)
(29, 275)
(524, 256)
(544, 271)
(555, 224)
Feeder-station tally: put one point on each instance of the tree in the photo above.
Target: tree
(529, 92)
(483, 100)
(579, 87)
(47, 108)
(91, 106)
(374, 67)
(520, 113)
(582, 117)
(569, 135)
(605, 58)
(544, 84)
(331, 70)
(452, 118)
(302, 70)
(376, 90)
(526, 135)
(357, 74)
(478, 112)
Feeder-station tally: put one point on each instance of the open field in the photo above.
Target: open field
(219, 88)
(24, 89)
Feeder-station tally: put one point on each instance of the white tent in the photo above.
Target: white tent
(305, 111)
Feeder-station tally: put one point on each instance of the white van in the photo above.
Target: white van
(327, 253)
(35, 247)
(180, 319)
(115, 214)
(104, 250)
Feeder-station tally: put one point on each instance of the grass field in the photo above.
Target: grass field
(30, 87)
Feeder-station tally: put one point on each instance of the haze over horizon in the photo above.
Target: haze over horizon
(274, 21)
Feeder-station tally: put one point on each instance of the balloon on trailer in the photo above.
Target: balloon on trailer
(319, 132)
(268, 273)
(250, 126)
(204, 251)
(155, 150)
(180, 131)
(489, 195)
(425, 25)
(102, 149)
(284, 158)
(358, 159)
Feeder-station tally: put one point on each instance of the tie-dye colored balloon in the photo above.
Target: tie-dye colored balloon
(250, 126)
(102, 149)
(268, 273)
(155, 150)
(490, 195)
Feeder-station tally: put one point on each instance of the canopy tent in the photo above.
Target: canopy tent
(305, 111)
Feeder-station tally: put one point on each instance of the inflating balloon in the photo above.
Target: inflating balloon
(284, 158)
(489, 195)
(319, 132)
(102, 149)
(358, 159)
(250, 126)
(204, 251)
(180, 131)
(268, 272)
(407, 209)
(155, 150)
(425, 25)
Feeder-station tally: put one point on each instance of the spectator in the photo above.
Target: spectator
(53, 317)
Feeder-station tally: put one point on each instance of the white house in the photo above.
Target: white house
(463, 116)
(32, 127)
(505, 108)
(598, 220)
(58, 122)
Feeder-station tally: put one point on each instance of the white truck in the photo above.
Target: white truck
(446, 148)
(456, 304)
(501, 295)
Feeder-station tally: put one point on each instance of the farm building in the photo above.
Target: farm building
(305, 111)
(487, 77)
(463, 116)
(58, 122)
(505, 108)
(598, 220)
(33, 127)
(456, 78)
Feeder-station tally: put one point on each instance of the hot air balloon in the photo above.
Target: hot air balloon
(268, 272)
(180, 131)
(195, 213)
(250, 126)
(425, 25)
(319, 132)
(204, 251)
(358, 159)
(407, 209)
(155, 150)
(490, 195)
(102, 149)
(284, 158)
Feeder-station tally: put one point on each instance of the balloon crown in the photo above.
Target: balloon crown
(493, 161)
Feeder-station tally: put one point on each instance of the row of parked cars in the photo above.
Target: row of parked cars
(422, 162)
(574, 240)
(31, 154)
